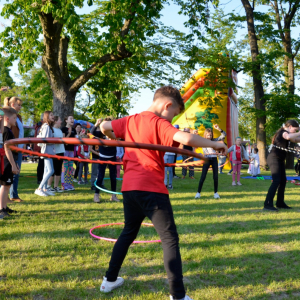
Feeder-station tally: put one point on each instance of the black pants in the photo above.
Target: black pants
(157, 207)
(213, 161)
(191, 169)
(77, 169)
(40, 170)
(277, 167)
(112, 174)
(175, 158)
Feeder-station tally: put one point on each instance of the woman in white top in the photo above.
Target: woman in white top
(57, 163)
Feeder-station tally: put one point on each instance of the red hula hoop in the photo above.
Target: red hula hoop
(114, 240)
(94, 142)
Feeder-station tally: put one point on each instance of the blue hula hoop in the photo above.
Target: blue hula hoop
(107, 191)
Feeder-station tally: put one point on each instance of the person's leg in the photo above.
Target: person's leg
(3, 195)
(94, 174)
(215, 173)
(175, 159)
(40, 170)
(14, 186)
(166, 160)
(231, 165)
(80, 167)
(234, 166)
(184, 170)
(86, 170)
(191, 169)
(162, 218)
(50, 180)
(118, 168)
(281, 187)
(101, 174)
(113, 175)
(274, 166)
(203, 175)
(47, 173)
(134, 216)
(238, 170)
(77, 165)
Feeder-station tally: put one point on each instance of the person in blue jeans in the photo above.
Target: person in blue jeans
(18, 131)
(47, 132)
(169, 159)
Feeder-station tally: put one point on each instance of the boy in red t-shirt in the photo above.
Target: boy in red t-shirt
(144, 191)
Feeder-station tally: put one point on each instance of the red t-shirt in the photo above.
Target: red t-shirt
(238, 152)
(144, 169)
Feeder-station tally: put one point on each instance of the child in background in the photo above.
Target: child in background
(238, 155)
(144, 192)
(83, 152)
(210, 153)
(254, 163)
(120, 154)
(10, 158)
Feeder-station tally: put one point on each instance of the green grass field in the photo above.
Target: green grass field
(231, 248)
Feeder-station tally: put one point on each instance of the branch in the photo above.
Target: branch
(296, 49)
(292, 10)
(62, 58)
(121, 54)
(86, 108)
(278, 20)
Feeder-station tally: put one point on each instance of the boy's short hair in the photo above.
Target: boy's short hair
(171, 92)
(9, 111)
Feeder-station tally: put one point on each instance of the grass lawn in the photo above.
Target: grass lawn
(231, 248)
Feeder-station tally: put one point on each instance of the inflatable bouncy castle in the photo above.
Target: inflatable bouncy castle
(200, 116)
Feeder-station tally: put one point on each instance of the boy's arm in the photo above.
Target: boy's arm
(10, 158)
(107, 129)
(196, 141)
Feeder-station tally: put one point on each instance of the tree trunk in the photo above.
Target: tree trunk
(258, 86)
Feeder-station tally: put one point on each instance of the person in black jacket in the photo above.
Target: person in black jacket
(107, 154)
(276, 163)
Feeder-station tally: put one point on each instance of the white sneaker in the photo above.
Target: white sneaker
(75, 180)
(216, 196)
(233, 183)
(185, 298)
(48, 193)
(40, 193)
(229, 174)
(238, 183)
(197, 196)
(107, 286)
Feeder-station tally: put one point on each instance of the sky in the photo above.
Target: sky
(170, 17)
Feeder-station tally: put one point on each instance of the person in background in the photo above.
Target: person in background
(254, 163)
(276, 162)
(239, 153)
(120, 154)
(57, 163)
(168, 159)
(184, 158)
(95, 131)
(79, 132)
(231, 164)
(10, 166)
(107, 154)
(221, 162)
(66, 175)
(36, 148)
(211, 154)
(83, 152)
(47, 132)
(18, 131)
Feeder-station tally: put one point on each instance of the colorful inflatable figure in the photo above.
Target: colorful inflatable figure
(84, 124)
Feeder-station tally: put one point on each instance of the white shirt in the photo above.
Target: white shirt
(59, 148)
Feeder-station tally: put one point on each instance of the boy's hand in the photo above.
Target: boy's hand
(220, 147)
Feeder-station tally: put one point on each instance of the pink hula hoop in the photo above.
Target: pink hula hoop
(114, 240)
